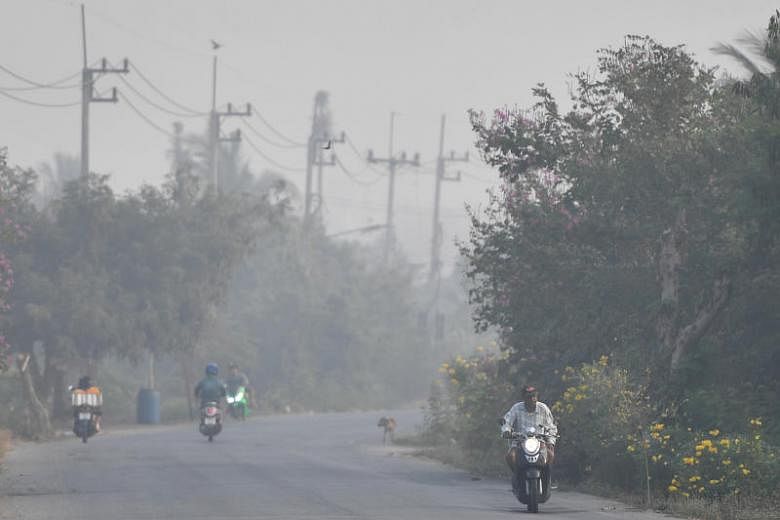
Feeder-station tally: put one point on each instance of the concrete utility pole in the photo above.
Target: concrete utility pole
(320, 163)
(215, 123)
(320, 135)
(392, 163)
(436, 239)
(88, 94)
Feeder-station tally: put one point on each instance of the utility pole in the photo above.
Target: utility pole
(320, 134)
(215, 123)
(436, 239)
(320, 163)
(392, 164)
(88, 94)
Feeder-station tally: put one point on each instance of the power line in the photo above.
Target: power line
(155, 105)
(35, 84)
(264, 156)
(277, 132)
(360, 155)
(38, 104)
(163, 94)
(144, 117)
(261, 136)
(144, 37)
(354, 177)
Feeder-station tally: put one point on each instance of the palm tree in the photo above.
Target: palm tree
(763, 86)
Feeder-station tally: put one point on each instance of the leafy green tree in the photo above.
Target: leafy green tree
(621, 201)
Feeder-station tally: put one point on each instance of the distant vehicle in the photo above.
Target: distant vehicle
(86, 405)
(210, 420)
(237, 403)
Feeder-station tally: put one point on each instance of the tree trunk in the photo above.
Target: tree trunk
(59, 410)
(40, 426)
(185, 360)
(705, 315)
(671, 257)
(673, 338)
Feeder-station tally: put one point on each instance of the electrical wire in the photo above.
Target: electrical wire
(261, 136)
(37, 85)
(354, 177)
(155, 105)
(144, 117)
(274, 130)
(164, 95)
(359, 156)
(37, 104)
(264, 156)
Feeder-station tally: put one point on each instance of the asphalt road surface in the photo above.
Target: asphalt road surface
(296, 467)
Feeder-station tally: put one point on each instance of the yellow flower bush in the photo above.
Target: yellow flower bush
(711, 464)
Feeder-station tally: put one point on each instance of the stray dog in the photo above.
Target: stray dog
(388, 423)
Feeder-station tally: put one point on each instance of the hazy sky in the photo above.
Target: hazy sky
(420, 59)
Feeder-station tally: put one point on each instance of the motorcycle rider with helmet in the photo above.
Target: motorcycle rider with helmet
(238, 379)
(529, 413)
(91, 394)
(210, 388)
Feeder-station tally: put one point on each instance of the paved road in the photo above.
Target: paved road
(296, 467)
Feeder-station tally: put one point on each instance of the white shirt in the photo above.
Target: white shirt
(518, 419)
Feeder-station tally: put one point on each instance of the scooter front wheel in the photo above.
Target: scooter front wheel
(533, 495)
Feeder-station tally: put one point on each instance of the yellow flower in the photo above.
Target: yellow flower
(672, 489)
(756, 422)
(657, 427)
(745, 471)
(757, 437)
(579, 397)
(726, 462)
(689, 461)
(694, 478)
(631, 449)
(706, 443)
(725, 443)
(715, 432)
(603, 360)
(712, 449)
(713, 481)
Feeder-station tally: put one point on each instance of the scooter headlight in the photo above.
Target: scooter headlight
(531, 445)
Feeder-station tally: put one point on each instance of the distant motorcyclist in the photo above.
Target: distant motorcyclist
(92, 396)
(210, 388)
(529, 412)
(238, 379)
